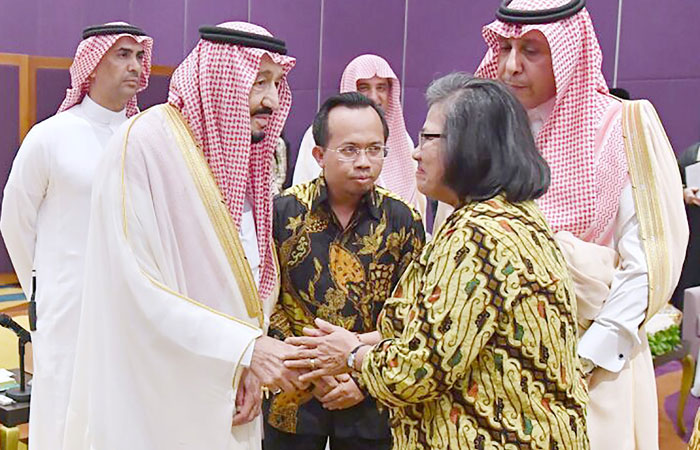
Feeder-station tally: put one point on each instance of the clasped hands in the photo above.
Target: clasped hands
(318, 358)
(322, 355)
(323, 351)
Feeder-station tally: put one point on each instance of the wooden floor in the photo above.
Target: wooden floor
(667, 385)
(11, 307)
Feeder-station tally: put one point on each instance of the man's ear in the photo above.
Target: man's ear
(318, 155)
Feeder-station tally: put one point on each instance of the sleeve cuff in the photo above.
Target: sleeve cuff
(606, 348)
(248, 355)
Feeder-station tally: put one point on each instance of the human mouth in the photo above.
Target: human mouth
(261, 120)
(515, 86)
(261, 116)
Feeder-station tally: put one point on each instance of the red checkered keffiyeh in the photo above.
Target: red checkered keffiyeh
(211, 89)
(88, 56)
(398, 170)
(584, 194)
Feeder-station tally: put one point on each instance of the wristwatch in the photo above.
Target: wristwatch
(352, 355)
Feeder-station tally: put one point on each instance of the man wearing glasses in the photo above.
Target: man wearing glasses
(372, 76)
(342, 244)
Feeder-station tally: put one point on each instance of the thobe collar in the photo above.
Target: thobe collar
(539, 115)
(100, 114)
(369, 200)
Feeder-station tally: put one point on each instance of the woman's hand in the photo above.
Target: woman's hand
(322, 352)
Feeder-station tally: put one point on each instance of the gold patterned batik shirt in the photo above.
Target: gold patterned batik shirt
(340, 275)
(479, 348)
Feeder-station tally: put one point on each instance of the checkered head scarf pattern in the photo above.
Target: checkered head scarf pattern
(583, 197)
(398, 170)
(89, 54)
(211, 89)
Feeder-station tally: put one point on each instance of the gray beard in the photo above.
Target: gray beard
(257, 137)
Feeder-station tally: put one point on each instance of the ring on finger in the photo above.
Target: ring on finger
(312, 361)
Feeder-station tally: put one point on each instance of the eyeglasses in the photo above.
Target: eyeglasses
(352, 152)
(427, 137)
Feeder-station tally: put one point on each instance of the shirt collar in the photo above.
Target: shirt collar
(370, 200)
(100, 114)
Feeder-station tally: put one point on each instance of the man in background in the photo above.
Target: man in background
(615, 202)
(46, 206)
(372, 76)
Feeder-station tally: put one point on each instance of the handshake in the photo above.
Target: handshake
(314, 365)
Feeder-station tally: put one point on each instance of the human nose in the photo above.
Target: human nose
(513, 63)
(271, 98)
(415, 154)
(362, 160)
(134, 66)
(373, 95)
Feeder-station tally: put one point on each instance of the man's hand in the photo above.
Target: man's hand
(324, 354)
(345, 395)
(248, 398)
(690, 196)
(323, 386)
(268, 365)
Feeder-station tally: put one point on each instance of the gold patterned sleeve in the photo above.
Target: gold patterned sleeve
(280, 326)
(468, 281)
(412, 244)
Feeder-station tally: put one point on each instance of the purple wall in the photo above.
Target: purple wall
(659, 60)
(420, 39)
(9, 139)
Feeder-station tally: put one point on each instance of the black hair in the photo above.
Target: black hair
(489, 147)
(620, 93)
(352, 100)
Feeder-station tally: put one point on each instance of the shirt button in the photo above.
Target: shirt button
(620, 356)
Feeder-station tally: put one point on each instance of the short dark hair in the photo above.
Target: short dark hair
(352, 100)
(489, 147)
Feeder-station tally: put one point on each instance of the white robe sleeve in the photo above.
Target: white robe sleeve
(306, 168)
(22, 198)
(610, 341)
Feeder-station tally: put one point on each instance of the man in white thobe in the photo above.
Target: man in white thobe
(180, 267)
(615, 203)
(46, 206)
